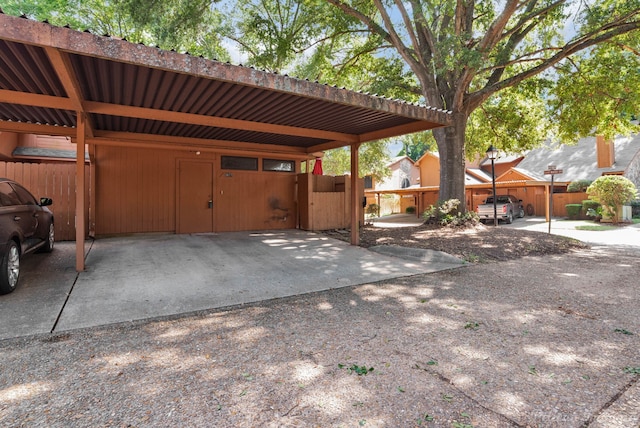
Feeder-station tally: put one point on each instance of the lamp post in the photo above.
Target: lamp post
(492, 153)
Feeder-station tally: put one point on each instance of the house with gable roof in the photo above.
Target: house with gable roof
(523, 175)
(589, 159)
(404, 175)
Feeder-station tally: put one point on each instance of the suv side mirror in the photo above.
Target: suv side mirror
(45, 202)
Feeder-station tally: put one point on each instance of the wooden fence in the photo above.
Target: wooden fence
(52, 180)
(562, 199)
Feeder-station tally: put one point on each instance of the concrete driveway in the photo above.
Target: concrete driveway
(627, 236)
(152, 276)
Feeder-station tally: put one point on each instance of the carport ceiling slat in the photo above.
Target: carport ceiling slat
(159, 89)
(28, 114)
(34, 75)
(155, 127)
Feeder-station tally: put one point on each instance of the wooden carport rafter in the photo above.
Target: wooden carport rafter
(59, 81)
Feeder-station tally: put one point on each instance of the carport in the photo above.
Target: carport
(106, 92)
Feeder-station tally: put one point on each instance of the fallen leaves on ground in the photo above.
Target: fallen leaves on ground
(475, 244)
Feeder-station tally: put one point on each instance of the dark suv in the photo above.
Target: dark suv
(25, 226)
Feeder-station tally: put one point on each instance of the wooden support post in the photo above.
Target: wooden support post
(92, 191)
(80, 191)
(547, 213)
(355, 200)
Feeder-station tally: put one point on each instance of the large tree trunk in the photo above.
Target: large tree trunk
(450, 142)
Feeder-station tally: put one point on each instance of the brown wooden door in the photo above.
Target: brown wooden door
(195, 197)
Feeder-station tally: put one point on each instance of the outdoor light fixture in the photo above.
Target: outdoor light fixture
(492, 153)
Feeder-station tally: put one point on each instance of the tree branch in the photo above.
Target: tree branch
(412, 34)
(391, 38)
(527, 17)
(634, 51)
(404, 51)
(430, 55)
(493, 34)
(569, 49)
(529, 57)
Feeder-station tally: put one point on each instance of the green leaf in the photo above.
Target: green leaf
(359, 370)
(472, 325)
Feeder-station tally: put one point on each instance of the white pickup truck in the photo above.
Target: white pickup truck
(507, 207)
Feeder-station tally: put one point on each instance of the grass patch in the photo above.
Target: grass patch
(595, 227)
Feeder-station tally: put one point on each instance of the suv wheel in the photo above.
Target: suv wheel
(10, 269)
(51, 239)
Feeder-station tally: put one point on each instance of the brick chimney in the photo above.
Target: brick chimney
(605, 152)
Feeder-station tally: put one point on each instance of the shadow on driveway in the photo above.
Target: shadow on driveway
(152, 276)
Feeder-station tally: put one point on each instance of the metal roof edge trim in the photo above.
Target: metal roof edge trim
(24, 30)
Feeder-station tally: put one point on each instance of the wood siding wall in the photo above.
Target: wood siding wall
(251, 200)
(136, 193)
(135, 190)
(429, 170)
(325, 201)
(52, 180)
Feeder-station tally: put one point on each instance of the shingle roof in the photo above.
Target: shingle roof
(579, 161)
(42, 153)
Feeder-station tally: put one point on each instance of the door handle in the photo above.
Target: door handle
(210, 204)
(17, 218)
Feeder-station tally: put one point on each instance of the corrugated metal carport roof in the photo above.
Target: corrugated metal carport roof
(140, 94)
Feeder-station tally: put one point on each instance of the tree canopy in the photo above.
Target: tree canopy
(495, 65)
(374, 157)
(183, 25)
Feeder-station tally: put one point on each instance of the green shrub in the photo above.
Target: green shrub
(596, 213)
(635, 209)
(573, 210)
(612, 191)
(410, 210)
(578, 186)
(447, 213)
(373, 210)
(592, 209)
(588, 204)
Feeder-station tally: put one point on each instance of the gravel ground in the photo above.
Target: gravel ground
(478, 244)
(541, 341)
